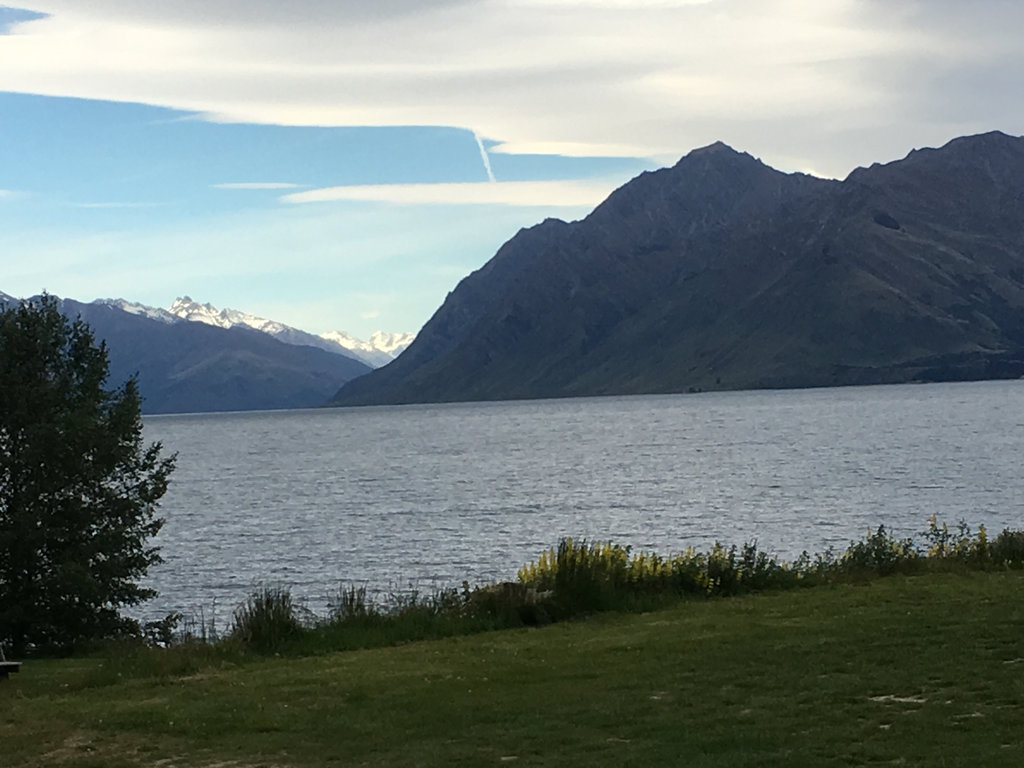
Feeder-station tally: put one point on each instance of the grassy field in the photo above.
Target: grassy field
(908, 670)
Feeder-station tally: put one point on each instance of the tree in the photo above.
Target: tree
(78, 488)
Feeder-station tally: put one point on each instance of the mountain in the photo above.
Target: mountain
(723, 273)
(185, 367)
(381, 349)
(134, 308)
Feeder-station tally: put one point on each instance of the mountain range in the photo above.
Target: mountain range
(196, 358)
(379, 350)
(723, 273)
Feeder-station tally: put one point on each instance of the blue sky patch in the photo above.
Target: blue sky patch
(148, 203)
(9, 17)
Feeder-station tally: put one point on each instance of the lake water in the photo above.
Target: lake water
(432, 495)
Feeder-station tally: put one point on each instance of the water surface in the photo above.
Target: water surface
(433, 495)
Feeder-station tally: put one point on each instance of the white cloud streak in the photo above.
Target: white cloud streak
(824, 84)
(511, 193)
(484, 156)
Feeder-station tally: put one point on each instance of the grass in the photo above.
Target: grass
(918, 670)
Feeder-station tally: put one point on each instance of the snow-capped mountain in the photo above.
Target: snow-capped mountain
(392, 343)
(187, 309)
(380, 343)
(186, 367)
(380, 350)
(134, 308)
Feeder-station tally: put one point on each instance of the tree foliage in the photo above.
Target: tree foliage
(78, 487)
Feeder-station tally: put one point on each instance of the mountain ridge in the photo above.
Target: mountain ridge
(379, 350)
(722, 273)
(186, 367)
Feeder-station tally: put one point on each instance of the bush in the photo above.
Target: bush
(1007, 551)
(266, 621)
(880, 553)
(592, 577)
(351, 604)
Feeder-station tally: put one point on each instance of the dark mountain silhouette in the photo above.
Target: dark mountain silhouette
(193, 367)
(722, 273)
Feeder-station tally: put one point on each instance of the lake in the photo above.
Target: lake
(427, 496)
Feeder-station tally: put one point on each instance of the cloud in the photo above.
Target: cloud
(568, 149)
(631, 4)
(824, 84)
(329, 263)
(484, 158)
(258, 185)
(514, 193)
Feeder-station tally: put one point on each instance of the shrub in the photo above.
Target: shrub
(1007, 551)
(591, 577)
(163, 632)
(508, 604)
(266, 621)
(880, 553)
(351, 603)
(574, 578)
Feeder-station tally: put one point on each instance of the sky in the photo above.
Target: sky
(342, 164)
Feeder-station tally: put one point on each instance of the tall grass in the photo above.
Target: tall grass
(574, 578)
(587, 576)
(267, 621)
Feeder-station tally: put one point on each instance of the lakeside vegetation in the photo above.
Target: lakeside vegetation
(915, 669)
(578, 578)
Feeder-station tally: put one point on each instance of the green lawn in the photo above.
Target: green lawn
(910, 671)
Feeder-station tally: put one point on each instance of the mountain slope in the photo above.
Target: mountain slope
(380, 350)
(334, 341)
(723, 273)
(195, 367)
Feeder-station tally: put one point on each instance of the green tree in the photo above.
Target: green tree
(78, 487)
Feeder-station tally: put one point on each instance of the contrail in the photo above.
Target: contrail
(484, 156)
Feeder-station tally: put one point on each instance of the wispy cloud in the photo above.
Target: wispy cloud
(827, 82)
(484, 156)
(513, 193)
(571, 149)
(328, 263)
(259, 185)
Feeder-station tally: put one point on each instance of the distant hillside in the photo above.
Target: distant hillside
(381, 348)
(195, 367)
(722, 273)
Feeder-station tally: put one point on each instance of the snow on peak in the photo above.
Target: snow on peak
(380, 350)
(382, 346)
(375, 353)
(347, 340)
(134, 308)
(187, 309)
(392, 343)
